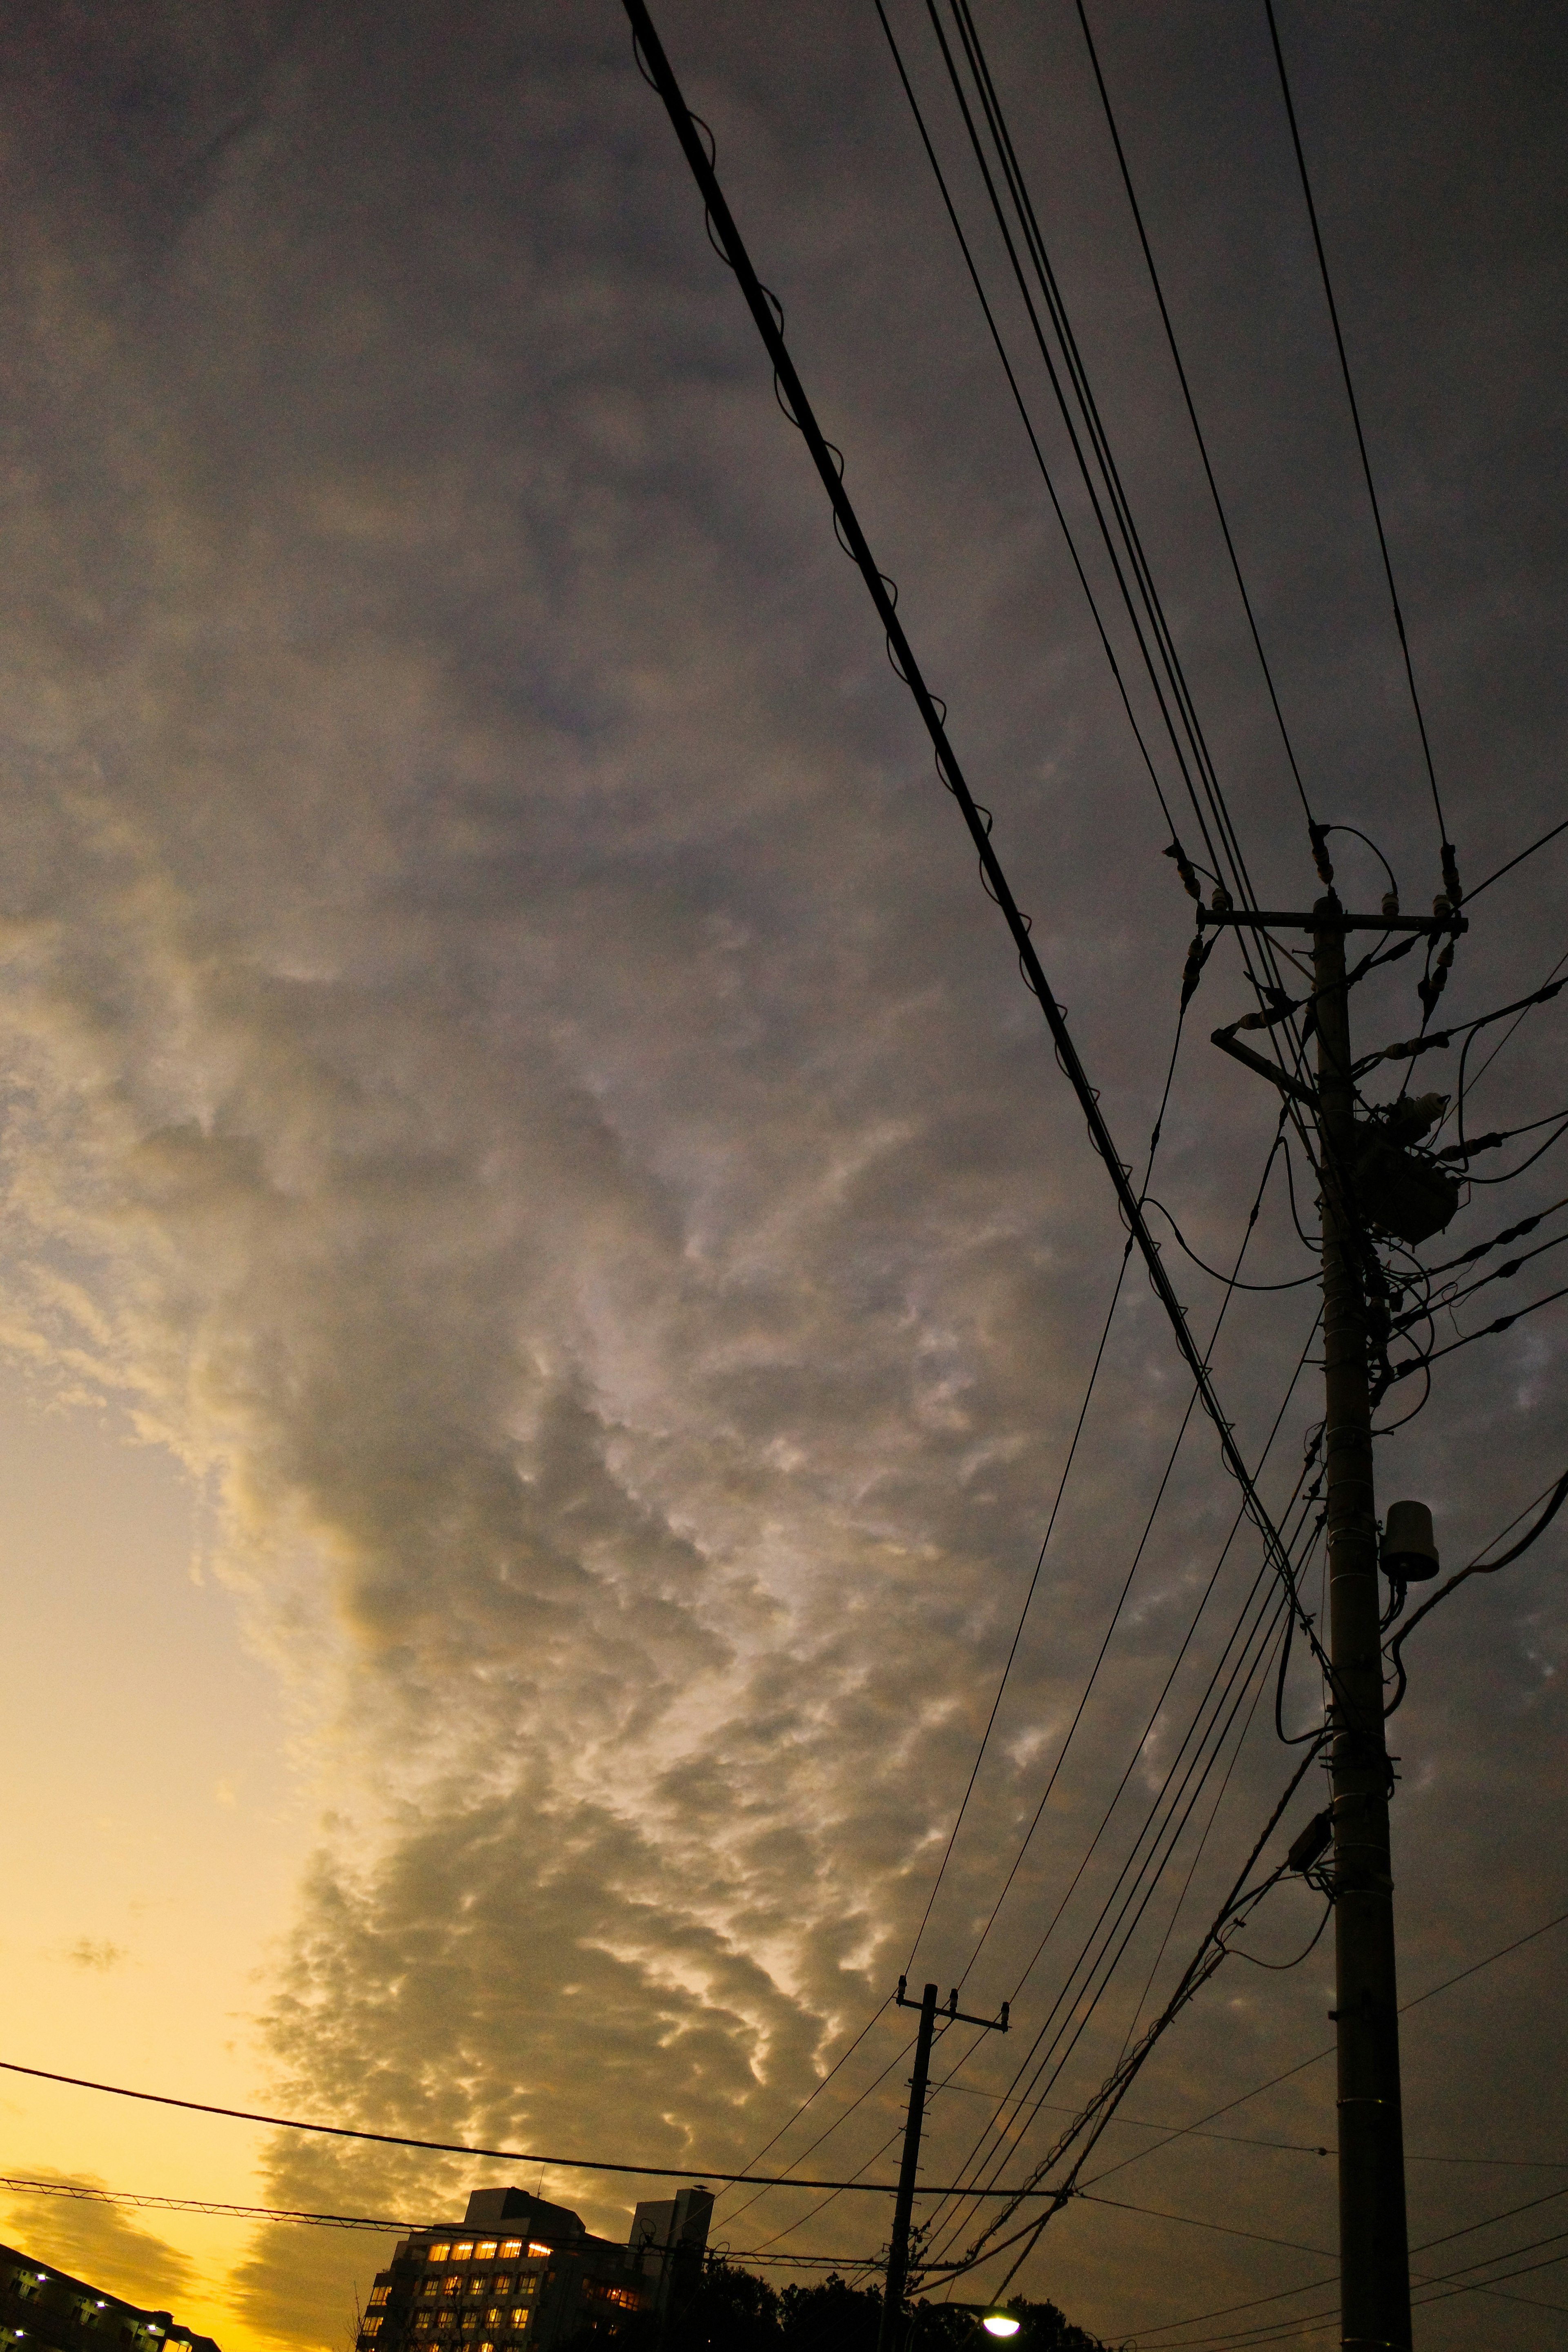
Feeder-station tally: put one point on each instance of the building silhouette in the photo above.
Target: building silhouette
(45, 2309)
(669, 2237)
(518, 2274)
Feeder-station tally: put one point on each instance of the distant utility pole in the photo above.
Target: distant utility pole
(1374, 2267)
(903, 2205)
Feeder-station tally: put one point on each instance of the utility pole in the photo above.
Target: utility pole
(903, 2205)
(1375, 2263)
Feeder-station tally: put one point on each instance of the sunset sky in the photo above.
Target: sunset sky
(549, 1271)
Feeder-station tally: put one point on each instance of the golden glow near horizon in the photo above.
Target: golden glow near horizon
(158, 1854)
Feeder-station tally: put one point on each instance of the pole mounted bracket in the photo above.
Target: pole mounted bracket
(1225, 1039)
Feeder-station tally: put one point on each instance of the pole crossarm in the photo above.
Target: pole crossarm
(1271, 920)
(954, 2014)
(1225, 1039)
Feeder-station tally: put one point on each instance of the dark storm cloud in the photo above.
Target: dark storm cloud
(514, 1073)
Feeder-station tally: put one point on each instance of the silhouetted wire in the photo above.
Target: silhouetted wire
(1229, 1280)
(1283, 2330)
(1515, 1029)
(1497, 1241)
(1163, 638)
(140, 2201)
(1199, 1849)
(1022, 408)
(1010, 2096)
(1210, 1955)
(1359, 435)
(843, 2116)
(1069, 2029)
(443, 2146)
(1191, 411)
(1488, 1331)
(1530, 2205)
(1137, 1556)
(1512, 862)
(1115, 496)
(1440, 1039)
(812, 2094)
(1024, 2099)
(764, 308)
(1243, 2097)
(1023, 1614)
(1056, 1508)
(1505, 1273)
(1553, 1498)
(1509, 1174)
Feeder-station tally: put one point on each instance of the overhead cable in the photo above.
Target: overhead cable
(1450, 876)
(728, 240)
(1479, 1566)
(1191, 411)
(459, 2148)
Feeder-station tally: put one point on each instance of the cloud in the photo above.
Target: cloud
(99, 1953)
(99, 2243)
(512, 1076)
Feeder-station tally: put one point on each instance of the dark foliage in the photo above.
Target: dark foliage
(732, 2311)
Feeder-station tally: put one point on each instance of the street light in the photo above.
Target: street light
(1001, 2322)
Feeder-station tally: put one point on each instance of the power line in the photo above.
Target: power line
(459, 2148)
(1241, 2100)
(1044, 1546)
(1148, 1528)
(1191, 411)
(1025, 2105)
(829, 464)
(1023, 1614)
(811, 2094)
(1512, 862)
(1361, 445)
(138, 2200)
(1114, 492)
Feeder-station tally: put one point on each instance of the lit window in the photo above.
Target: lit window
(471, 2319)
(519, 2317)
(538, 2250)
(503, 2283)
(450, 2285)
(429, 2286)
(422, 2322)
(492, 2316)
(465, 2252)
(511, 2249)
(485, 2253)
(437, 2254)
(370, 2327)
(378, 2295)
(443, 2319)
(476, 2287)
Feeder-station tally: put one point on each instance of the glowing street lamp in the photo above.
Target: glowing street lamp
(1001, 2322)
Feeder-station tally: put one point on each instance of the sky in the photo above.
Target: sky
(548, 1272)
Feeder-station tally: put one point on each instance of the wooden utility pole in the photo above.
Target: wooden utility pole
(1374, 2267)
(903, 2204)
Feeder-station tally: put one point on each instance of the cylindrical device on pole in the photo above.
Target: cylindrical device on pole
(903, 2204)
(1374, 2267)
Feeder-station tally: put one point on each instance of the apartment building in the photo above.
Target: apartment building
(518, 2274)
(45, 2309)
